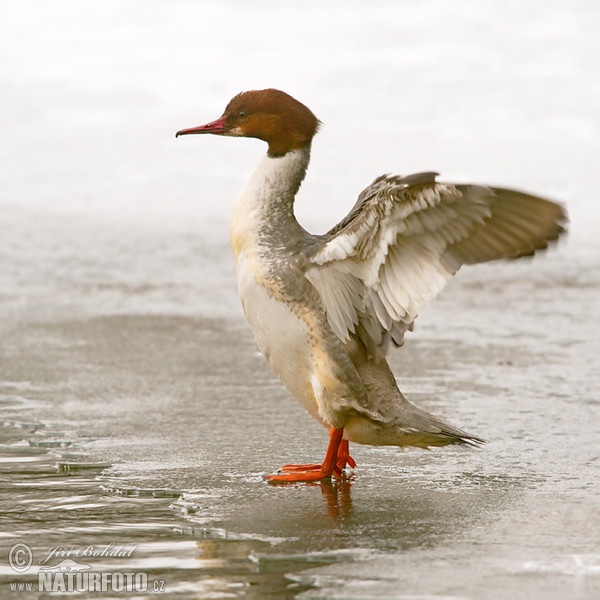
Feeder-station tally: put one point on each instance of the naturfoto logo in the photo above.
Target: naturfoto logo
(73, 570)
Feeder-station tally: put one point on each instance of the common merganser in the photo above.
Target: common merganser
(325, 309)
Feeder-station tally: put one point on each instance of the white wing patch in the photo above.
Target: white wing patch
(365, 271)
(341, 294)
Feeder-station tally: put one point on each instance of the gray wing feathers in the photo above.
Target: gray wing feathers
(518, 225)
(406, 237)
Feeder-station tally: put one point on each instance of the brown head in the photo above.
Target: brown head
(270, 115)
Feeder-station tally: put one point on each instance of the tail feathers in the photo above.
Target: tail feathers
(424, 430)
(441, 437)
(413, 427)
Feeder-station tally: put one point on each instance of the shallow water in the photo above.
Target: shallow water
(137, 412)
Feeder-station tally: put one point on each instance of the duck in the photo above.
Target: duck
(326, 309)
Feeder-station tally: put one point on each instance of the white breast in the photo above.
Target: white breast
(281, 335)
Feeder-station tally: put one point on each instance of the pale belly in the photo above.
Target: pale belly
(282, 336)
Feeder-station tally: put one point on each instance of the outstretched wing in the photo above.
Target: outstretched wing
(406, 237)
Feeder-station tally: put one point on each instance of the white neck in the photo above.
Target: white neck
(264, 209)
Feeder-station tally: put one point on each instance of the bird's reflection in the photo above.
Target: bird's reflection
(337, 495)
(336, 492)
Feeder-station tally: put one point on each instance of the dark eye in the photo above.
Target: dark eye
(241, 114)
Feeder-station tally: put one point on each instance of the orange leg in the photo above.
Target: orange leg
(336, 458)
(343, 457)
